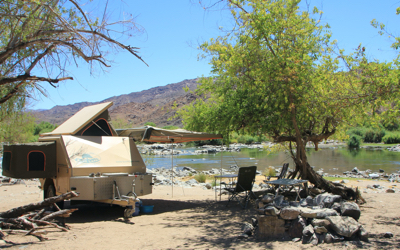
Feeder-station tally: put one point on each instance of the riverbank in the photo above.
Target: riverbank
(191, 219)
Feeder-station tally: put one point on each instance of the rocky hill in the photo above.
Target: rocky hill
(152, 105)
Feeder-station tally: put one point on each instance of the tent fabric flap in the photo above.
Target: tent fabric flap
(153, 134)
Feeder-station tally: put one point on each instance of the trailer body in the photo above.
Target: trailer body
(86, 155)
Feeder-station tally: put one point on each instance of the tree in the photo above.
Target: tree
(18, 127)
(277, 73)
(40, 38)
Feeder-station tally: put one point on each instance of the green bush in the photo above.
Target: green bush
(373, 135)
(360, 131)
(201, 177)
(391, 137)
(354, 141)
(270, 171)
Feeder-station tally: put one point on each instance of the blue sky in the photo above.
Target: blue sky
(173, 29)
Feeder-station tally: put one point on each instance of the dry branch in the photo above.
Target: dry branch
(61, 213)
(18, 211)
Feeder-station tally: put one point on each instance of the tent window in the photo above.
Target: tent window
(6, 160)
(36, 161)
(94, 130)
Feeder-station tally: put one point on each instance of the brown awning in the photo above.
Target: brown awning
(154, 134)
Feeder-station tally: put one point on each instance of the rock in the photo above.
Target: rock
(388, 235)
(319, 213)
(363, 234)
(270, 227)
(330, 238)
(344, 225)
(336, 206)
(192, 182)
(374, 176)
(390, 190)
(254, 222)
(243, 236)
(260, 205)
(267, 199)
(271, 210)
(320, 229)
(289, 213)
(376, 186)
(381, 170)
(308, 201)
(327, 199)
(344, 181)
(248, 228)
(355, 170)
(261, 211)
(308, 230)
(278, 200)
(309, 235)
(296, 239)
(350, 209)
(320, 237)
(296, 228)
(208, 186)
(320, 223)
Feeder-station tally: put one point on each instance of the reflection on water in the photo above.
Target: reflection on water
(333, 161)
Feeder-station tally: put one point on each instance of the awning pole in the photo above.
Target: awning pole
(172, 166)
(220, 172)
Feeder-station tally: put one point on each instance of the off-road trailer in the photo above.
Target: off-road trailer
(86, 155)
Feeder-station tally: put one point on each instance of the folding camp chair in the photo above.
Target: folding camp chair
(242, 191)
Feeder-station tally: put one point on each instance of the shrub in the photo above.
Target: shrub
(373, 135)
(360, 131)
(354, 141)
(391, 137)
(215, 183)
(270, 171)
(201, 177)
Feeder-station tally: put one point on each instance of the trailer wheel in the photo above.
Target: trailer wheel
(51, 192)
(128, 213)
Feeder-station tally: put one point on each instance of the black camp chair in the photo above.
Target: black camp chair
(242, 191)
(281, 175)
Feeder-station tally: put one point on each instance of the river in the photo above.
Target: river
(331, 160)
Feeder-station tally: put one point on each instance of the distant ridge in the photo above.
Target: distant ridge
(152, 105)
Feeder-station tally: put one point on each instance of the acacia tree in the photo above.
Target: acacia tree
(40, 38)
(277, 73)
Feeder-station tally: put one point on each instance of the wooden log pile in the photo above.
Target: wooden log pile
(34, 218)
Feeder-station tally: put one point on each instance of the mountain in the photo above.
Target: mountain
(152, 105)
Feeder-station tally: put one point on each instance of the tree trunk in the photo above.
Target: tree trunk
(321, 183)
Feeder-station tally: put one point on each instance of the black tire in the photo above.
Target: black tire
(51, 192)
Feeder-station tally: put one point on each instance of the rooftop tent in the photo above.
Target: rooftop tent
(89, 121)
(30, 160)
(153, 134)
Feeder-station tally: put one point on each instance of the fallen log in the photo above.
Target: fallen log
(18, 211)
(61, 213)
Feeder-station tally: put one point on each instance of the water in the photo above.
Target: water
(332, 161)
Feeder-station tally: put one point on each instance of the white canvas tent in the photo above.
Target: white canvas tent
(154, 134)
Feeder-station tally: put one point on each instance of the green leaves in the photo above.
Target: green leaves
(279, 74)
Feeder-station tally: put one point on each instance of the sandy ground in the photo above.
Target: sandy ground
(191, 219)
